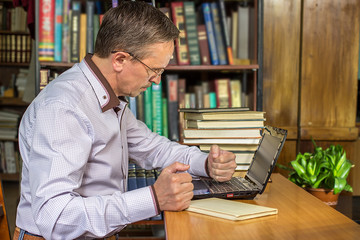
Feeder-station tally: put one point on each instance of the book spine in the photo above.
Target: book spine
(181, 100)
(157, 108)
(90, 11)
(148, 108)
(210, 33)
(235, 86)
(218, 32)
(222, 89)
(140, 177)
(182, 52)
(59, 8)
(75, 31)
(96, 27)
(46, 30)
(226, 35)
(191, 31)
(165, 122)
(243, 39)
(173, 104)
(204, 45)
(140, 107)
(132, 185)
(166, 11)
(132, 105)
(83, 35)
(66, 32)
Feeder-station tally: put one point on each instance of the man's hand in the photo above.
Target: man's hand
(221, 164)
(174, 190)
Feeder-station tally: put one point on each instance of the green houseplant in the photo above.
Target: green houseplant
(324, 168)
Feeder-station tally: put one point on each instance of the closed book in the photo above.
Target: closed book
(132, 185)
(243, 38)
(66, 31)
(222, 133)
(191, 31)
(218, 32)
(140, 114)
(96, 27)
(46, 30)
(132, 105)
(165, 122)
(204, 45)
(157, 108)
(213, 124)
(236, 115)
(231, 147)
(181, 99)
(150, 177)
(83, 33)
(234, 33)
(173, 105)
(181, 49)
(140, 177)
(166, 11)
(90, 11)
(243, 157)
(214, 57)
(10, 160)
(59, 8)
(75, 31)
(148, 108)
(228, 209)
(235, 87)
(198, 141)
(223, 92)
(225, 31)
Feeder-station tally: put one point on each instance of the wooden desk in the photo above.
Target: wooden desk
(300, 216)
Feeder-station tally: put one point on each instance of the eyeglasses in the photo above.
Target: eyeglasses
(158, 72)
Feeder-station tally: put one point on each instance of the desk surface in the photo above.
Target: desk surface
(300, 216)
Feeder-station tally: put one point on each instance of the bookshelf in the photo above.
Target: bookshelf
(248, 70)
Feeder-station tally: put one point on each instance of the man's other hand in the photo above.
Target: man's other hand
(221, 164)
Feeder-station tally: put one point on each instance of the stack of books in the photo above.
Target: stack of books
(233, 129)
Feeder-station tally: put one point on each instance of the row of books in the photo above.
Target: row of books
(139, 178)
(234, 129)
(207, 34)
(15, 47)
(9, 158)
(12, 19)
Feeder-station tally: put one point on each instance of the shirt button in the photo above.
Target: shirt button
(104, 97)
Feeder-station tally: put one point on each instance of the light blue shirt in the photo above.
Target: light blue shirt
(75, 149)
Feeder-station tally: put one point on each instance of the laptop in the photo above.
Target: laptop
(257, 176)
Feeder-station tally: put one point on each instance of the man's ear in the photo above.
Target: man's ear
(119, 59)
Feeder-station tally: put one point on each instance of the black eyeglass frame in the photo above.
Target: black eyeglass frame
(157, 72)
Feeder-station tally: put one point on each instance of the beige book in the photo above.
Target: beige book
(229, 209)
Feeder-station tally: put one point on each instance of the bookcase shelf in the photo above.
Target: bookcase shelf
(14, 177)
(12, 102)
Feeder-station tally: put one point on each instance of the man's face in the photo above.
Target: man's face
(139, 74)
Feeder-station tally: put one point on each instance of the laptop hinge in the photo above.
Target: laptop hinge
(259, 185)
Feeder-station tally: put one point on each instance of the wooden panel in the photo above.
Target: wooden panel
(330, 50)
(329, 133)
(356, 171)
(4, 227)
(287, 154)
(281, 62)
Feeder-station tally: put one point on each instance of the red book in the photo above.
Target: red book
(46, 30)
(182, 51)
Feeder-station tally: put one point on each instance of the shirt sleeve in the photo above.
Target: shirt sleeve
(59, 147)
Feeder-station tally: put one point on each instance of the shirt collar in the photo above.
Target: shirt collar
(105, 94)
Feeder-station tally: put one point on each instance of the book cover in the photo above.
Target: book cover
(204, 45)
(225, 31)
(236, 115)
(214, 57)
(213, 124)
(228, 209)
(181, 99)
(222, 133)
(197, 141)
(231, 147)
(66, 31)
(166, 11)
(243, 38)
(173, 105)
(223, 92)
(75, 31)
(46, 30)
(165, 122)
(156, 108)
(181, 49)
(58, 38)
(235, 87)
(83, 36)
(148, 108)
(218, 32)
(191, 31)
(90, 11)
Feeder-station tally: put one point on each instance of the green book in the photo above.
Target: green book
(191, 31)
(165, 125)
(96, 26)
(148, 108)
(157, 108)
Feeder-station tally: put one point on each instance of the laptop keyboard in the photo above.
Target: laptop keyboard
(230, 186)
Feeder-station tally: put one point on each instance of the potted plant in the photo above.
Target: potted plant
(322, 172)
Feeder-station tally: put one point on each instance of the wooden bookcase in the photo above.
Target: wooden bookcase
(194, 73)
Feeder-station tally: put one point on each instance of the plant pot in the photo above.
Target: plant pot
(325, 195)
